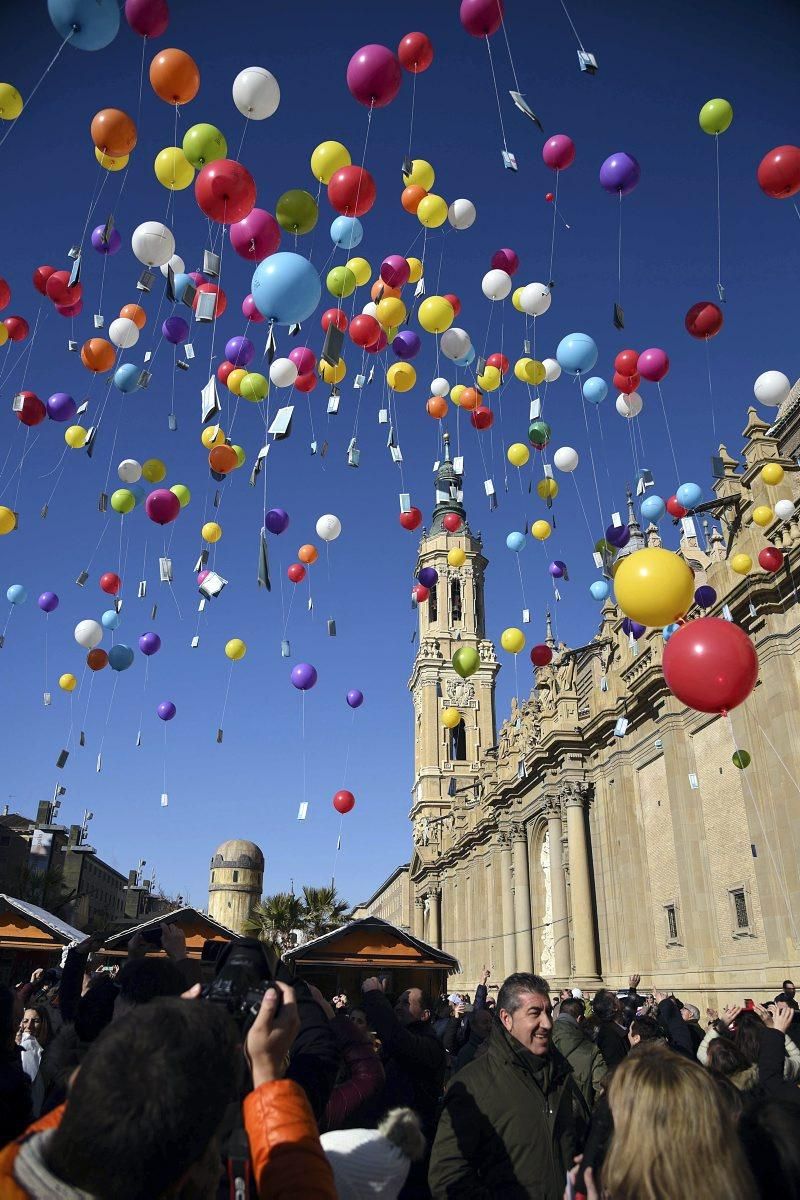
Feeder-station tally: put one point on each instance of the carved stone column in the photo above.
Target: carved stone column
(580, 885)
(522, 901)
(419, 918)
(507, 902)
(558, 894)
(435, 917)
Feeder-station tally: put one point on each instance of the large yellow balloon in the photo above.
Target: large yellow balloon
(390, 311)
(518, 454)
(456, 557)
(415, 267)
(327, 159)
(547, 489)
(8, 521)
(111, 164)
(332, 374)
(401, 377)
(451, 717)
(241, 457)
(512, 640)
(212, 436)
(772, 473)
(75, 436)
(67, 683)
(3, 335)
(235, 649)
(432, 211)
(435, 314)
(654, 587)
(173, 169)
(235, 380)
(153, 470)
(516, 298)
(211, 532)
(361, 269)
(742, 564)
(529, 370)
(541, 531)
(456, 392)
(421, 174)
(10, 102)
(762, 515)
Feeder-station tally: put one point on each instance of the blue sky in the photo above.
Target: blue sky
(657, 67)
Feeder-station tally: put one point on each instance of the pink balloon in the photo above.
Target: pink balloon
(395, 270)
(481, 18)
(257, 236)
(304, 359)
(250, 311)
(652, 364)
(150, 18)
(162, 506)
(197, 277)
(558, 152)
(70, 310)
(505, 260)
(374, 76)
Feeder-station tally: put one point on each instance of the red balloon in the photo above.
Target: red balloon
(223, 371)
(549, 197)
(17, 327)
(40, 278)
(306, 383)
(481, 18)
(351, 191)
(412, 519)
(110, 583)
(482, 417)
(420, 593)
(381, 344)
(505, 260)
(334, 316)
(296, 572)
(225, 191)
(770, 559)
(626, 383)
(710, 665)
(70, 310)
(625, 362)
(5, 294)
(96, 659)
(452, 522)
(541, 655)
(704, 320)
(59, 290)
(675, 508)
(33, 410)
(222, 299)
(415, 52)
(455, 303)
(500, 361)
(779, 172)
(344, 801)
(365, 330)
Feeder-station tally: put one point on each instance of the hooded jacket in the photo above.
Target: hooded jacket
(583, 1056)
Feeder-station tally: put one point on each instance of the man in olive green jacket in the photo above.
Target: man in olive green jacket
(514, 1118)
(582, 1054)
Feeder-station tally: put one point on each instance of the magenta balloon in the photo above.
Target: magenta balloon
(250, 311)
(150, 18)
(162, 506)
(395, 270)
(652, 364)
(257, 236)
(558, 152)
(304, 359)
(481, 18)
(505, 260)
(197, 277)
(374, 76)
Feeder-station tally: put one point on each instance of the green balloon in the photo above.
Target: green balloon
(605, 547)
(204, 144)
(182, 492)
(715, 116)
(741, 759)
(539, 433)
(341, 281)
(466, 661)
(123, 501)
(297, 211)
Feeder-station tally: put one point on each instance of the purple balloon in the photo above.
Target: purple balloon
(428, 576)
(175, 330)
(557, 568)
(355, 698)
(48, 602)
(618, 535)
(705, 596)
(61, 407)
(620, 173)
(374, 76)
(250, 311)
(632, 628)
(276, 520)
(304, 676)
(106, 246)
(240, 351)
(149, 643)
(147, 17)
(166, 710)
(162, 506)
(257, 236)
(406, 344)
(505, 260)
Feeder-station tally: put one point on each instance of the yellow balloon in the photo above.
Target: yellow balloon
(182, 492)
(75, 436)
(772, 473)
(490, 380)
(111, 164)
(516, 297)
(518, 454)
(415, 267)
(456, 557)
(390, 311)
(654, 587)
(451, 717)
(435, 314)
(211, 532)
(254, 387)
(521, 369)
(541, 531)
(173, 169)
(211, 437)
(536, 372)
(742, 564)
(512, 640)
(401, 377)
(421, 174)
(361, 269)
(456, 392)
(241, 457)
(7, 520)
(547, 489)
(10, 102)
(3, 335)
(432, 211)
(327, 159)
(67, 683)
(235, 649)
(153, 470)
(762, 515)
(235, 380)
(332, 374)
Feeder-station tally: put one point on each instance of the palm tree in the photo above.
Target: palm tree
(46, 889)
(275, 918)
(324, 910)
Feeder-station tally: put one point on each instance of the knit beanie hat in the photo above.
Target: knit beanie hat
(374, 1162)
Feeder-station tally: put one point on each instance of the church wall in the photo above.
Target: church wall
(663, 886)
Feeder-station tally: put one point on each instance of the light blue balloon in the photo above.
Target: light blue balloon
(347, 232)
(126, 377)
(120, 657)
(668, 630)
(92, 23)
(516, 542)
(110, 619)
(600, 589)
(653, 508)
(576, 353)
(595, 389)
(466, 359)
(286, 288)
(180, 283)
(16, 594)
(689, 495)
(137, 490)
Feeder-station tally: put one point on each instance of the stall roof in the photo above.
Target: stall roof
(373, 939)
(200, 923)
(62, 932)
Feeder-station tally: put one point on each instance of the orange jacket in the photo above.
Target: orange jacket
(288, 1159)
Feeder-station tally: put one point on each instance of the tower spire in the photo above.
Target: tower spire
(449, 492)
(548, 636)
(637, 539)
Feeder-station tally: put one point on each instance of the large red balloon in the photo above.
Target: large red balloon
(779, 172)
(415, 52)
(770, 559)
(626, 383)
(364, 329)
(58, 289)
(110, 583)
(411, 519)
(625, 362)
(221, 301)
(351, 191)
(40, 278)
(344, 801)
(675, 508)
(334, 316)
(482, 417)
(481, 18)
(33, 410)
(225, 191)
(18, 328)
(452, 522)
(5, 294)
(296, 572)
(710, 665)
(704, 320)
(541, 655)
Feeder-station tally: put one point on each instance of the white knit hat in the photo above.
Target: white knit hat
(374, 1162)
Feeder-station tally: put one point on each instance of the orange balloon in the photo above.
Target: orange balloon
(113, 132)
(437, 407)
(308, 555)
(411, 197)
(382, 291)
(135, 313)
(223, 459)
(175, 76)
(96, 659)
(98, 355)
(470, 399)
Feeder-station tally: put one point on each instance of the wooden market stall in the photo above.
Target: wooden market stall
(198, 928)
(30, 937)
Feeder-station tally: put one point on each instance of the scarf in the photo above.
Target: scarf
(33, 1174)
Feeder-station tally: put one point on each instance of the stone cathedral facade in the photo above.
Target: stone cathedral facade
(604, 829)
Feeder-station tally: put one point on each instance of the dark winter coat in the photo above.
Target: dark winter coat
(582, 1054)
(612, 1042)
(413, 1058)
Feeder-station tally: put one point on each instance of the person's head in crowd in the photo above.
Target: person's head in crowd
(144, 979)
(788, 988)
(375, 1162)
(413, 1006)
(359, 1019)
(36, 1022)
(690, 1012)
(443, 1009)
(96, 1008)
(673, 1134)
(749, 1028)
(523, 1005)
(732, 1097)
(145, 1109)
(726, 1057)
(770, 1136)
(643, 1029)
(605, 1005)
(573, 1008)
(481, 1023)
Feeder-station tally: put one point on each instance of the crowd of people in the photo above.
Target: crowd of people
(123, 1083)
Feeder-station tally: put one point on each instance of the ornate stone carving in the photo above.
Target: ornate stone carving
(486, 651)
(574, 794)
(460, 692)
(429, 648)
(565, 670)
(518, 832)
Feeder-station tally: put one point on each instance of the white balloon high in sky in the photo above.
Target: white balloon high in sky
(256, 93)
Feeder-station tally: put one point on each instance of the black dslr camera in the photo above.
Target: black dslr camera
(244, 973)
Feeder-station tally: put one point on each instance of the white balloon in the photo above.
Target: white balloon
(772, 388)
(535, 300)
(496, 284)
(461, 214)
(552, 370)
(123, 332)
(329, 527)
(784, 509)
(129, 470)
(370, 309)
(440, 387)
(177, 264)
(152, 243)
(565, 459)
(629, 406)
(454, 343)
(256, 93)
(88, 634)
(283, 372)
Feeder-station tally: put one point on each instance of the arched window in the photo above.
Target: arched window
(458, 742)
(433, 607)
(455, 601)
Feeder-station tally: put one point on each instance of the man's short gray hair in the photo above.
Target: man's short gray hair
(513, 988)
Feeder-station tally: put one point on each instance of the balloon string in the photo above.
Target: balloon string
(720, 288)
(8, 618)
(164, 788)
(711, 392)
(591, 457)
(669, 432)
(38, 84)
(108, 715)
(303, 738)
(73, 697)
(583, 510)
(49, 499)
(25, 452)
(574, 30)
(225, 701)
(619, 255)
(88, 701)
(413, 98)
(338, 844)
(553, 231)
(46, 628)
(144, 691)
(496, 92)
(508, 45)
(93, 203)
(603, 444)
(521, 584)
(19, 477)
(244, 135)
(289, 612)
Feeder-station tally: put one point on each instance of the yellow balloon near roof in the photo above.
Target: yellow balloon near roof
(654, 587)
(762, 515)
(456, 557)
(451, 717)
(742, 564)
(772, 473)
(512, 640)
